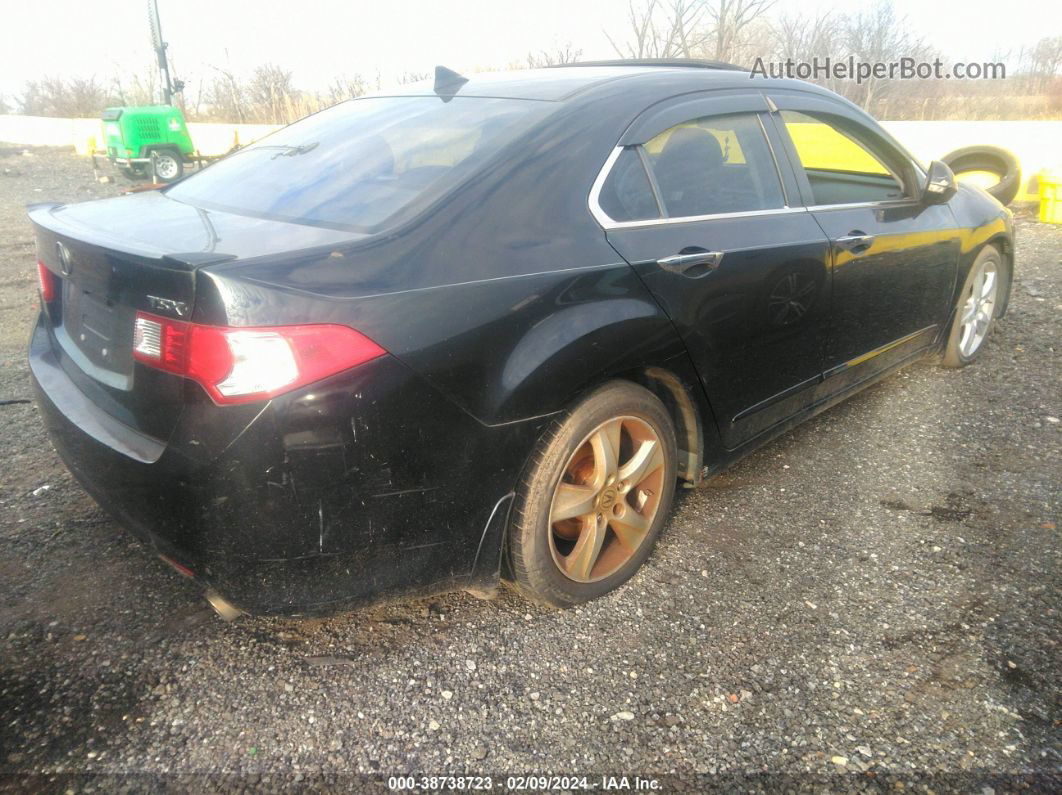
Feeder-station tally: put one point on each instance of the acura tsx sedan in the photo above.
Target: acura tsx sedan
(476, 331)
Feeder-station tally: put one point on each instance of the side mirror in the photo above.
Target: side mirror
(940, 184)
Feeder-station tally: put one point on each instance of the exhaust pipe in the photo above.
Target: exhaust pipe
(223, 607)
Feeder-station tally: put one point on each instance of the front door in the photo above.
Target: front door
(894, 259)
(699, 208)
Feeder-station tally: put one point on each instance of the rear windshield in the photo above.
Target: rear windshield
(362, 163)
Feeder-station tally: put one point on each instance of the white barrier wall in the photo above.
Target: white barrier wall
(1037, 144)
(217, 139)
(209, 139)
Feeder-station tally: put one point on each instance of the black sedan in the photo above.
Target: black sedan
(476, 332)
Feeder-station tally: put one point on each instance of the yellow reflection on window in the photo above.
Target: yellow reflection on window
(823, 148)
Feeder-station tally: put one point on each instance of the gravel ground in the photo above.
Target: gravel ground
(870, 601)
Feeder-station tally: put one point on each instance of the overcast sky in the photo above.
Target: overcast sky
(319, 39)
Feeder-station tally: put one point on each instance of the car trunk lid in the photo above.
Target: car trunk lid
(115, 257)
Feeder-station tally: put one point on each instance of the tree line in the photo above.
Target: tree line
(741, 32)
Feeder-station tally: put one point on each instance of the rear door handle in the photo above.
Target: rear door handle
(692, 264)
(855, 241)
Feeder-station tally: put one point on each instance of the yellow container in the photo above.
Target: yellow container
(1051, 197)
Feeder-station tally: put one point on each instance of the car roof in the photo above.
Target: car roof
(565, 82)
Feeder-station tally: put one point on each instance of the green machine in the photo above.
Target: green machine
(150, 140)
(147, 139)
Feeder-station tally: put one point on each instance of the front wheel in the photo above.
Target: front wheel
(979, 305)
(595, 497)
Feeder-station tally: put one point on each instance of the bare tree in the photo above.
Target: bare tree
(225, 96)
(343, 88)
(716, 29)
(643, 28)
(801, 38)
(878, 35)
(554, 57)
(805, 38)
(413, 77)
(53, 96)
(270, 94)
(671, 29)
(685, 35)
(142, 90)
(729, 20)
(1045, 61)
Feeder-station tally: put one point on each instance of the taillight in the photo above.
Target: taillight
(239, 365)
(47, 281)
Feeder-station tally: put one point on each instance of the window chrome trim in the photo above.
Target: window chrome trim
(654, 186)
(600, 215)
(774, 159)
(885, 204)
(607, 222)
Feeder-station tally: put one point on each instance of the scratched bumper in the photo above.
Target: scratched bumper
(364, 486)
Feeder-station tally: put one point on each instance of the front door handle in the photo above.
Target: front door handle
(693, 264)
(855, 241)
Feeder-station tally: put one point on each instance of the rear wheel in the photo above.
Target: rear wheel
(595, 497)
(979, 304)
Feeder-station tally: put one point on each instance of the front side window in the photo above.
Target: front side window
(717, 164)
(840, 168)
(362, 163)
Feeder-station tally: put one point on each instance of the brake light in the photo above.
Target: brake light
(47, 281)
(239, 365)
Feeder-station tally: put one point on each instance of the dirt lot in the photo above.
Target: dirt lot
(873, 599)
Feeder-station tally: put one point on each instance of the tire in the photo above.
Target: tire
(132, 173)
(169, 165)
(994, 160)
(557, 562)
(960, 349)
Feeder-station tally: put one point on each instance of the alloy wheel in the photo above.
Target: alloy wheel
(979, 309)
(165, 166)
(607, 498)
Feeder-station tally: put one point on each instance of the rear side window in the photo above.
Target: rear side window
(841, 168)
(361, 164)
(718, 164)
(627, 194)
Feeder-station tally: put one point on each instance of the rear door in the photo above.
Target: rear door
(893, 258)
(693, 198)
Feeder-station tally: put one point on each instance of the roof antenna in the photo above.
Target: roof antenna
(448, 82)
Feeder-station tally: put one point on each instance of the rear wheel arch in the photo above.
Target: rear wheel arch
(685, 414)
(679, 399)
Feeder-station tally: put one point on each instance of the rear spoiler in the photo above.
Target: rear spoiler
(46, 215)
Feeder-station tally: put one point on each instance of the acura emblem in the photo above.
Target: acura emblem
(66, 262)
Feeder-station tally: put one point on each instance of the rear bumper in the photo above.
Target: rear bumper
(367, 485)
